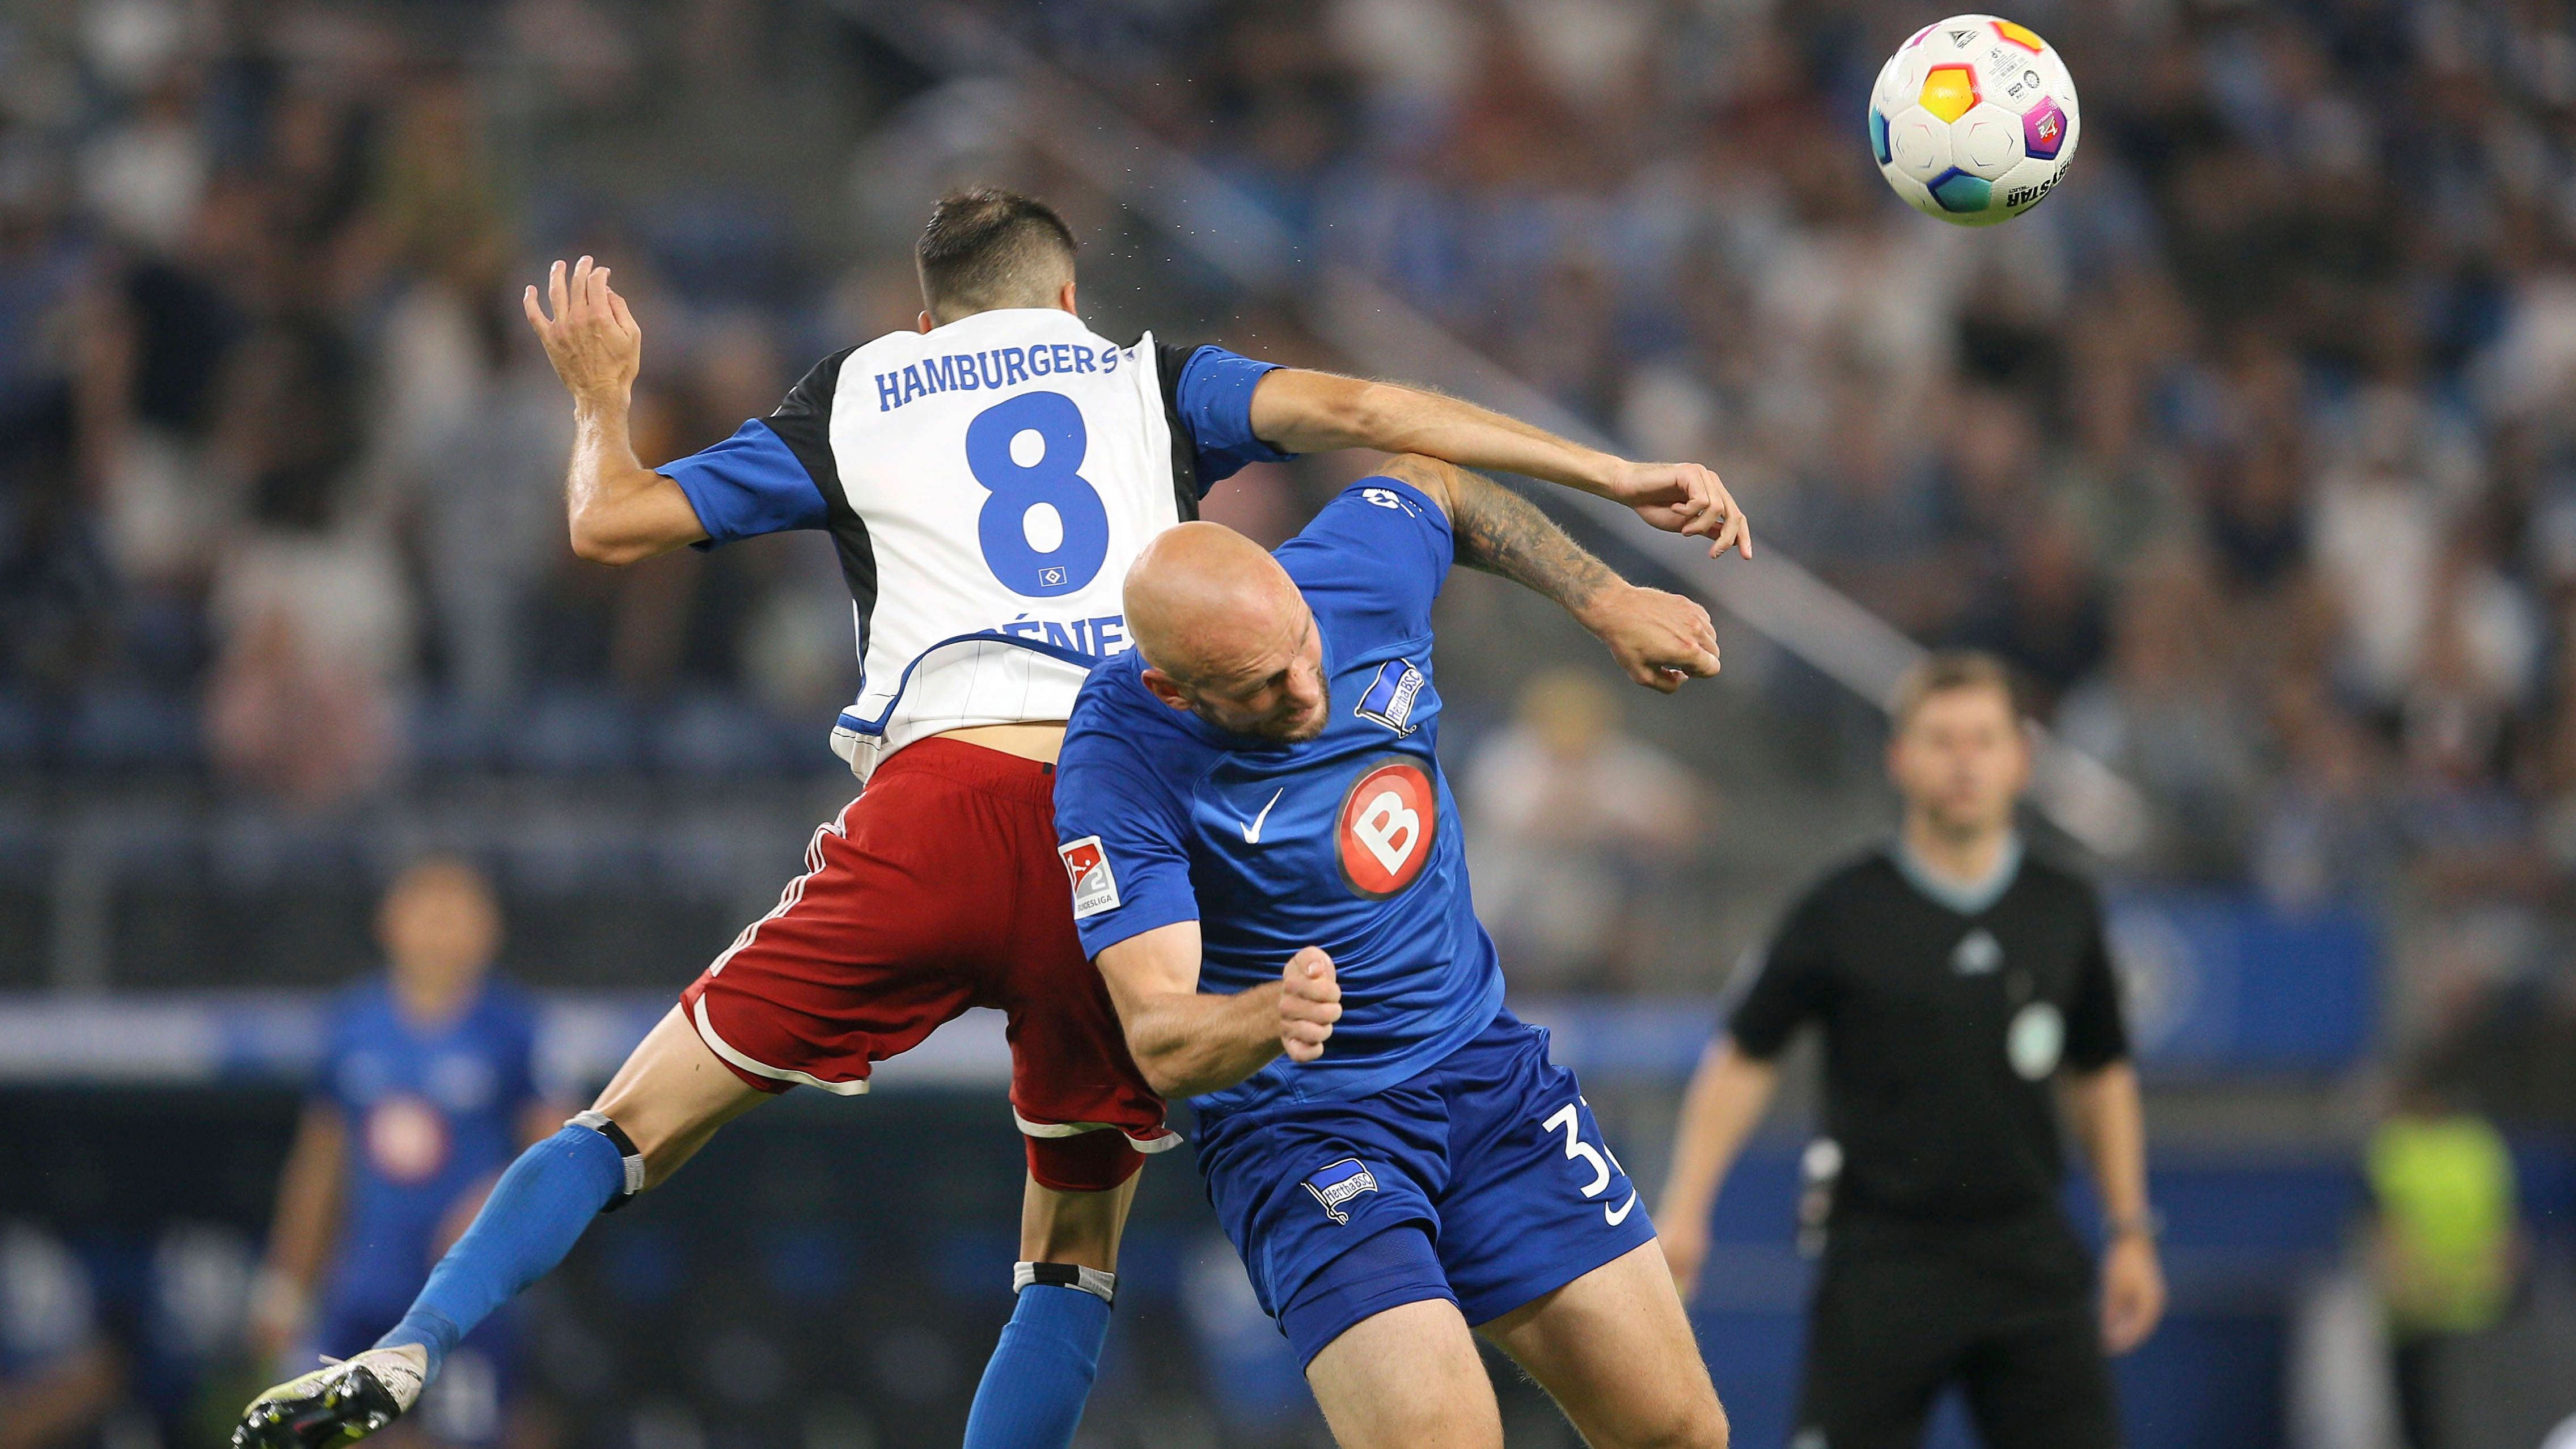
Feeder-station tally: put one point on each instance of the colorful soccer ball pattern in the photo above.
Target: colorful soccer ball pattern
(1974, 120)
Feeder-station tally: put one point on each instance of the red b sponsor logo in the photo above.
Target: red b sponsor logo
(1386, 825)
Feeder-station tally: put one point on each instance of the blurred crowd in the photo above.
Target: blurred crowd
(279, 463)
(2247, 447)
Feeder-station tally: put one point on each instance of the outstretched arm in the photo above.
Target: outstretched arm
(1188, 1043)
(1299, 411)
(621, 512)
(1660, 639)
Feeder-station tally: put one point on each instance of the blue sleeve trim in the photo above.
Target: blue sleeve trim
(1130, 921)
(748, 485)
(1214, 400)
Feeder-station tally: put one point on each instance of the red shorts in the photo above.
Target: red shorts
(938, 889)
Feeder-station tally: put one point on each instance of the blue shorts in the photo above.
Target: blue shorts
(1490, 1155)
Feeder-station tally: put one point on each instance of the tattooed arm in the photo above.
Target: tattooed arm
(1660, 639)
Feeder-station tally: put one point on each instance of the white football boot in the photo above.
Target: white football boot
(339, 1403)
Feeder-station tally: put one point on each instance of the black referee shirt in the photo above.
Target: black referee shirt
(1943, 1029)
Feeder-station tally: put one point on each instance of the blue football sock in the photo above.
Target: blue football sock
(536, 1212)
(1040, 1374)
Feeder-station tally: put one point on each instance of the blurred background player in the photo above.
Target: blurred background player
(1959, 984)
(60, 1371)
(426, 1093)
(110, 1340)
(2448, 1245)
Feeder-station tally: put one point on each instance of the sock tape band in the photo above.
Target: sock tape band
(1103, 1286)
(626, 1151)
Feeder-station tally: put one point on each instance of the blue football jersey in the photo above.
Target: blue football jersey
(1348, 841)
(430, 1113)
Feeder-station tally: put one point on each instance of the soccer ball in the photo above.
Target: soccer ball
(1973, 120)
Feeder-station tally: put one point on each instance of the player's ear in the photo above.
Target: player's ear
(1165, 688)
(1064, 299)
(926, 323)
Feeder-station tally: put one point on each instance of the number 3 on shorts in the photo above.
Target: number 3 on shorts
(1026, 451)
(1569, 1119)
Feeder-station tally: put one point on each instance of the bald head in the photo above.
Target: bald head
(1225, 634)
(1201, 598)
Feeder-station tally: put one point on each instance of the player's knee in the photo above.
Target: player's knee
(1712, 1431)
(1691, 1420)
(644, 1139)
(1699, 1423)
(668, 1125)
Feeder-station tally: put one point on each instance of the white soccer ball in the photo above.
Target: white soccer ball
(1974, 120)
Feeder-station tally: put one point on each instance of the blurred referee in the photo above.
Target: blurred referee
(1957, 982)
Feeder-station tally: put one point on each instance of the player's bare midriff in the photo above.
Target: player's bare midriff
(1039, 742)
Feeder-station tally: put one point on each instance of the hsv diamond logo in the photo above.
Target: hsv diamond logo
(1338, 1184)
(1385, 827)
(1094, 889)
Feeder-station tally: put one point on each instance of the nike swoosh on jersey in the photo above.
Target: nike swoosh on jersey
(1252, 832)
(1614, 1219)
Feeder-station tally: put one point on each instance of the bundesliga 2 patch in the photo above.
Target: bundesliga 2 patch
(1086, 865)
(1389, 698)
(1338, 1184)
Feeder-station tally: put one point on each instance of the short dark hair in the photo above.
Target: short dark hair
(1950, 669)
(989, 248)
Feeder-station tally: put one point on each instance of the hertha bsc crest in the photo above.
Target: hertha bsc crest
(1338, 1184)
(1389, 698)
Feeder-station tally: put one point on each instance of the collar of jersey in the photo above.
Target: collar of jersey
(1254, 744)
(972, 318)
(1971, 899)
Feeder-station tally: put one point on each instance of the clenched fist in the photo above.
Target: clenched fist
(1659, 639)
(1310, 1001)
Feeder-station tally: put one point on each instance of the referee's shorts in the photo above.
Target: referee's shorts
(2004, 1310)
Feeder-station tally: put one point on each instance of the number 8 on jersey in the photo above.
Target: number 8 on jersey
(1027, 452)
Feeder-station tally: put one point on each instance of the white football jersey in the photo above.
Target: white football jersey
(987, 484)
